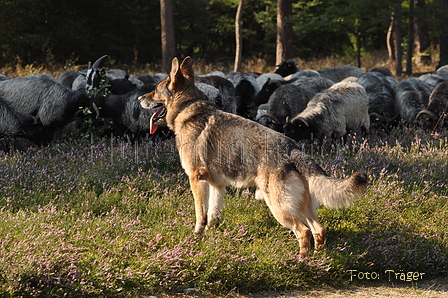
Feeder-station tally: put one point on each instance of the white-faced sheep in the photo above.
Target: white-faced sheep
(342, 107)
(411, 97)
(434, 115)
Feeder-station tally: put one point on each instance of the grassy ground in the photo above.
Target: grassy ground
(115, 219)
(111, 218)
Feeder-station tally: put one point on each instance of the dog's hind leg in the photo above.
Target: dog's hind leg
(215, 203)
(284, 208)
(308, 215)
(308, 211)
(200, 188)
(291, 221)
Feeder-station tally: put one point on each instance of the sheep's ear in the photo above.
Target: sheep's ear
(187, 68)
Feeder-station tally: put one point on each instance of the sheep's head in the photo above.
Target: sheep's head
(287, 67)
(266, 91)
(427, 119)
(272, 121)
(297, 128)
(95, 77)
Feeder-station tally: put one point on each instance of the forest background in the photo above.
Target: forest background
(75, 32)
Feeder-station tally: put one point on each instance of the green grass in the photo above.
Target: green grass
(115, 219)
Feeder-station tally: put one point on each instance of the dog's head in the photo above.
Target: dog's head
(164, 96)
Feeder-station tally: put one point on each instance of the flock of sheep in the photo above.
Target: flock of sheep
(302, 104)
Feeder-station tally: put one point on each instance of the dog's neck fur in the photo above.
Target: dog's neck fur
(174, 109)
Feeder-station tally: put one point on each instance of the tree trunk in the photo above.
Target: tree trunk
(410, 50)
(421, 34)
(397, 37)
(443, 37)
(284, 31)
(168, 39)
(390, 40)
(238, 36)
(358, 47)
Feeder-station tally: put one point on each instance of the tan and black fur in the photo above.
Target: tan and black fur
(219, 149)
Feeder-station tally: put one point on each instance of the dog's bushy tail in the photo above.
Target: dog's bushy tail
(337, 193)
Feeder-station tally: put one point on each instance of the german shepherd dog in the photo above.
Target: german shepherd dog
(218, 149)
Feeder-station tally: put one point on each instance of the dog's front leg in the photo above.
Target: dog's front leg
(215, 203)
(200, 188)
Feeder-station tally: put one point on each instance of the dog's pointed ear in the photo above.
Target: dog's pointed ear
(187, 68)
(174, 69)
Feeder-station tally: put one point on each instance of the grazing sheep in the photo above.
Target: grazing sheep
(287, 67)
(228, 98)
(381, 92)
(17, 124)
(115, 80)
(411, 97)
(442, 71)
(290, 99)
(315, 84)
(435, 114)
(383, 70)
(53, 103)
(4, 77)
(216, 73)
(263, 78)
(68, 77)
(246, 88)
(338, 73)
(210, 92)
(266, 91)
(330, 113)
(303, 74)
(128, 116)
(432, 79)
(148, 82)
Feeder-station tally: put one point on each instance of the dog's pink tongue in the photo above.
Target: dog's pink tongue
(152, 126)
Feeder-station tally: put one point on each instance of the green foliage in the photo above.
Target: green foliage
(46, 32)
